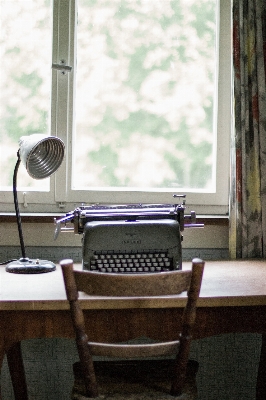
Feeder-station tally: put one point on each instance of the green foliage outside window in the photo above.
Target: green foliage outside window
(145, 89)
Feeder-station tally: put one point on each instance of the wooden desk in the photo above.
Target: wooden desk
(232, 299)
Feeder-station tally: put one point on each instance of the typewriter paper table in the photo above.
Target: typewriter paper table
(232, 299)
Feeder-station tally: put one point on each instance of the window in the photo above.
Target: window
(145, 111)
(26, 45)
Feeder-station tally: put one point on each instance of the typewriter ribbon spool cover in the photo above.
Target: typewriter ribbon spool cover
(155, 243)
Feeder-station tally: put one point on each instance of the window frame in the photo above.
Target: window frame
(61, 197)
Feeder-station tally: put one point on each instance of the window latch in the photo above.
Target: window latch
(62, 67)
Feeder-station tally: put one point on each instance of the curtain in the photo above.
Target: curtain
(248, 153)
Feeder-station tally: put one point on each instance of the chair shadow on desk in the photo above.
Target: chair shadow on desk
(132, 377)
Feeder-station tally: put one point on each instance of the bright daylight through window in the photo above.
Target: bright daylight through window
(145, 94)
(140, 109)
(25, 84)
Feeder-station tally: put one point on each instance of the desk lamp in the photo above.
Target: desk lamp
(42, 156)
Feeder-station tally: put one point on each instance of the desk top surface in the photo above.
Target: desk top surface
(225, 283)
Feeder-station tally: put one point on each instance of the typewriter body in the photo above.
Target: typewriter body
(129, 238)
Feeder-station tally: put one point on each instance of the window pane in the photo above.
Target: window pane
(25, 53)
(145, 95)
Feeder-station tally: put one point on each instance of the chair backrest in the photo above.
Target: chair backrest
(133, 285)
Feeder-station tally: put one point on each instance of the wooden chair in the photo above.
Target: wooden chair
(134, 379)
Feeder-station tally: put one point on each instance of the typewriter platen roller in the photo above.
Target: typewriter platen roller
(130, 238)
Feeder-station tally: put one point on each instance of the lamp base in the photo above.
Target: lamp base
(29, 266)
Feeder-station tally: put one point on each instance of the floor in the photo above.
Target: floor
(228, 368)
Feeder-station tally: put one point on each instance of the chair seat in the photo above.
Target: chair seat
(136, 380)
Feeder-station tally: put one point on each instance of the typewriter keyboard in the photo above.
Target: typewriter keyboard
(131, 263)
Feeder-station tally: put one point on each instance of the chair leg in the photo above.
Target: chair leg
(17, 373)
(261, 378)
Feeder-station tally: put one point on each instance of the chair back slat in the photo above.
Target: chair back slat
(134, 350)
(131, 285)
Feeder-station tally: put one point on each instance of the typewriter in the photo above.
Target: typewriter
(129, 238)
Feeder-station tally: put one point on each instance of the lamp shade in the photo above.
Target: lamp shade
(41, 155)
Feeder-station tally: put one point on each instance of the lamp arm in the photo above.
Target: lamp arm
(42, 156)
(15, 195)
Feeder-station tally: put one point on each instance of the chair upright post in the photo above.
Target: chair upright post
(188, 321)
(79, 324)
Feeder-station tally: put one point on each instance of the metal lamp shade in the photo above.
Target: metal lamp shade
(41, 155)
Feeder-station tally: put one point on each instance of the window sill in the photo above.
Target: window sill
(218, 220)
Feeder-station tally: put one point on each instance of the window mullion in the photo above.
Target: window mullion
(62, 89)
